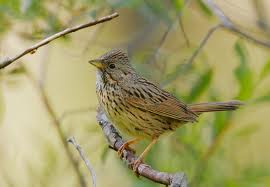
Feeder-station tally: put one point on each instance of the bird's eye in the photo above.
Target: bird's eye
(112, 66)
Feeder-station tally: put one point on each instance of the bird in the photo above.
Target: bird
(140, 108)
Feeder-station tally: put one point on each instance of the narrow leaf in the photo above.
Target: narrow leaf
(243, 73)
(200, 85)
(204, 8)
(265, 70)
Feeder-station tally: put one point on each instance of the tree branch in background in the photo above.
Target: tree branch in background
(115, 142)
(229, 25)
(225, 23)
(86, 161)
(202, 44)
(45, 100)
(156, 52)
(262, 19)
(47, 40)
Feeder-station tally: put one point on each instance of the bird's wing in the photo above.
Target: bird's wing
(147, 96)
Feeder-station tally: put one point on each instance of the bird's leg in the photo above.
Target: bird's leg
(126, 146)
(144, 153)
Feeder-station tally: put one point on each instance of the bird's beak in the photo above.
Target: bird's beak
(97, 63)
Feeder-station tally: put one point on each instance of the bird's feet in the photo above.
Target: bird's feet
(136, 165)
(123, 147)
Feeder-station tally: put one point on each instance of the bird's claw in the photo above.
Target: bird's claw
(122, 148)
(136, 165)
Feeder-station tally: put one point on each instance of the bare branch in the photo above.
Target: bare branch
(262, 19)
(115, 141)
(86, 161)
(47, 40)
(202, 44)
(156, 52)
(45, 100)
(229, 25)
(181, 24)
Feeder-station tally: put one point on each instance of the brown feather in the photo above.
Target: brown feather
(214, 106)
(170, 108)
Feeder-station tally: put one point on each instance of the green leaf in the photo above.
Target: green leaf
(264, 98)
(34, 8)
(243, 73)
(220, 122)
(200, 85)
(11, 7)
(178, 4)
(204, 8)
(265, 71)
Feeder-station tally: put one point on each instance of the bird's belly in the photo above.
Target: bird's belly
(138, 123)
(130, 120)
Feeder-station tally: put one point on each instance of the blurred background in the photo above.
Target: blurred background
(39, 92)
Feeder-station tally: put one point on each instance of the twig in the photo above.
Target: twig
(115, 141)
(262, 20)
(86, 161)
(202, 44)
(156, 52)
(47, 40)
(229, 25)
(225, 23)
(181, 24)
(56, 122)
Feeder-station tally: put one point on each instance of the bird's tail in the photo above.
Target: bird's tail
(214, 107)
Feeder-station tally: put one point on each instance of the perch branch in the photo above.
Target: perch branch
(86, 161)
(115, 142)
(47, 40)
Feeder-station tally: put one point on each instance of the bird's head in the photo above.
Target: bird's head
(113, 65)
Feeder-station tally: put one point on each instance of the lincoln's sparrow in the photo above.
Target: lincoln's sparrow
(140, 108)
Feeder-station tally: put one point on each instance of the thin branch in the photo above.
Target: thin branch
(225, 23)
(86, 161)
(249, 37)
(202, 43)
(156, 52)
(115, 141)
(262, 19)
(47, 40)
(45, 100)
(229, 25)
(181, 24)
